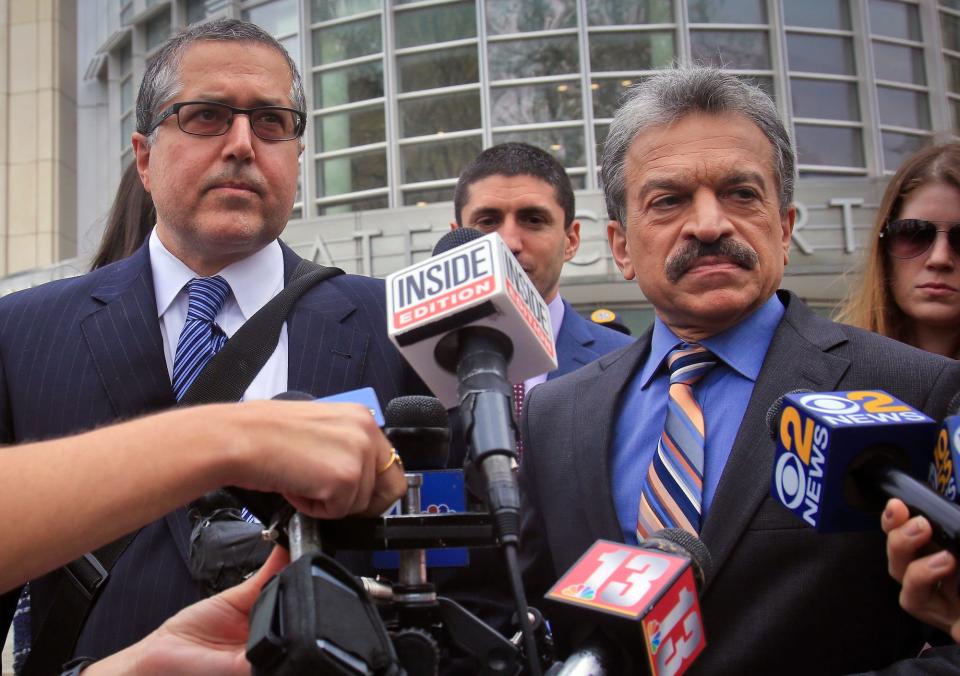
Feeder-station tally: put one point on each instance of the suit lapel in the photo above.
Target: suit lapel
(326, 354)
(591, 443)
(123, 336)
(124, 339)
(795, 360)
(573, 341)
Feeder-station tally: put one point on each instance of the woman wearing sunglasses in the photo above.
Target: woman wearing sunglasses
(910, 288)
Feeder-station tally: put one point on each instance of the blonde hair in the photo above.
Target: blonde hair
(870, 305)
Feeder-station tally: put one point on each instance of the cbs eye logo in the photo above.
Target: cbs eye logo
(830, 404)
(791, 480)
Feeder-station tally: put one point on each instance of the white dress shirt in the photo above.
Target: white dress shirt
(253, 281)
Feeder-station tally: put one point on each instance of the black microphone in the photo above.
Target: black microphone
(841, 455)
(471, 323)
(418, 427)
(479, 355)
(271, 509)
(293, 395)
(315, 617)
(652, 587)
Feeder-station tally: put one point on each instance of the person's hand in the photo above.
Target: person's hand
(209, 637)
(929, 582)
(328, 460)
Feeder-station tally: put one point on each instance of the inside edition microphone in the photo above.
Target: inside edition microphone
(471, 323)
(841, 455)
(652, 586)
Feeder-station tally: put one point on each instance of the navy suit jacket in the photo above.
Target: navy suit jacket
(86, 351)
(580, 341)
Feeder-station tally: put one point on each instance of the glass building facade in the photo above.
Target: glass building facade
(404, 93)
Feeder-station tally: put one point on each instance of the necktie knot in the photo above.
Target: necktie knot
(690, 362)
(206, 296)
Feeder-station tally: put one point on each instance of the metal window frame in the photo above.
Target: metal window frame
(931, 43)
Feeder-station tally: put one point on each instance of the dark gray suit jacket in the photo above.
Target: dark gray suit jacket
(87, 351)
(783, 599)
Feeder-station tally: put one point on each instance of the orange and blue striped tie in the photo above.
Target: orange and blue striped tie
(670, 496)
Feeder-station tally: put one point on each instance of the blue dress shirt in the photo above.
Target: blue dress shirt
(723, 395)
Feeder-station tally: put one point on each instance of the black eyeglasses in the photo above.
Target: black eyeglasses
(206, 118)
(910, 237)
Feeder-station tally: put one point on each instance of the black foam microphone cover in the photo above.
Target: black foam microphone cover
(418, 427)
(455, 238)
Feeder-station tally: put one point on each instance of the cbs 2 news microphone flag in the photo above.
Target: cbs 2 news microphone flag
(840, 454)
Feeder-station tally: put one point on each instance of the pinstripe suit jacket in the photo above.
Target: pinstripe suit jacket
(783, 599)
(82, 352)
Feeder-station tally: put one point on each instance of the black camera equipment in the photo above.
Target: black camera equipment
(316, 617)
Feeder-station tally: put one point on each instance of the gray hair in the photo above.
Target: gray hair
(672, 94)
(161, 81)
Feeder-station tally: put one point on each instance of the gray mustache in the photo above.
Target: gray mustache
(237, 176)
(732, 250)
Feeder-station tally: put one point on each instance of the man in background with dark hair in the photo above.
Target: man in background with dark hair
(524, 194)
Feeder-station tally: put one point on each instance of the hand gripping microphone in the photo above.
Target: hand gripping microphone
(652, 587)
(271, 509)
(840, 455)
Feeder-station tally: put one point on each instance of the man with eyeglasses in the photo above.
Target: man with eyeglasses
(220, 115)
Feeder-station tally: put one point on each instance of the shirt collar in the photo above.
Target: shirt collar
(253, 280)
(556, 315)
(742, 347)
(256, 279)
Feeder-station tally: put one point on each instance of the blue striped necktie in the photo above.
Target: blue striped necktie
(671, 494)
(200, 338)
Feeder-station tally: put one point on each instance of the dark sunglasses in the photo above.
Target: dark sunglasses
(911, 237)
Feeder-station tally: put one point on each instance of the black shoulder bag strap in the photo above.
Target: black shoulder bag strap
(225, 378)
(229, 373)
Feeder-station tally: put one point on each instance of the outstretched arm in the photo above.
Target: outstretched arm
(74, 494)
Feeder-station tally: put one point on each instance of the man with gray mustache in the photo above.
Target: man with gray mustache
(698, 175)
(692, 253)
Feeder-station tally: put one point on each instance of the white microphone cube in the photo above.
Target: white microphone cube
(479, 283)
